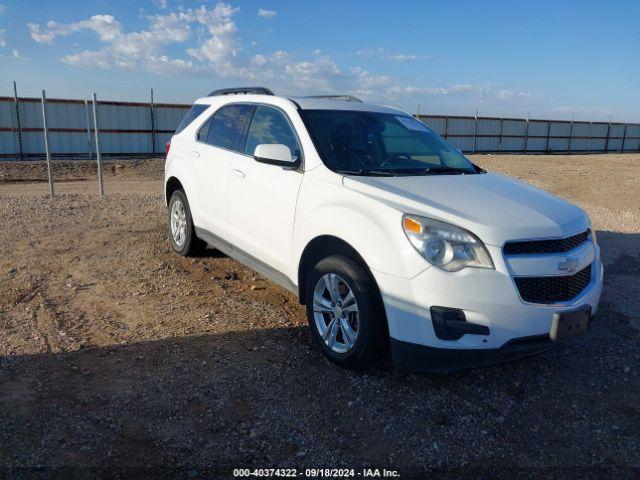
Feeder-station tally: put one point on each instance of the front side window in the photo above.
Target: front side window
(270, 126)
(228, 127)
(193, 113)
(371, 143)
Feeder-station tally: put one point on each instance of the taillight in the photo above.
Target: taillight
(167, 147)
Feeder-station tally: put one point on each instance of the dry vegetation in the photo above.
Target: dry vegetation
(116, 354)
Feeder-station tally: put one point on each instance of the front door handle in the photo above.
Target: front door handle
(238, 173)
(195, 154)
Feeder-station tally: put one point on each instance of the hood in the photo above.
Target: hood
(494, 207)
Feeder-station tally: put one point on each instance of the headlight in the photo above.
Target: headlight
(445, 246)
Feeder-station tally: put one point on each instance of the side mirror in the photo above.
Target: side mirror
(275, 154)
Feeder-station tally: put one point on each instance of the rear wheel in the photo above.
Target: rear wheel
(182, 233)
(345, 312)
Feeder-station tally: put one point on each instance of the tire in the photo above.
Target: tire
(369, 321)
(185, 242)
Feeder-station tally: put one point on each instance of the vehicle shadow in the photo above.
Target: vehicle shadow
(211, 252)
(197, 406)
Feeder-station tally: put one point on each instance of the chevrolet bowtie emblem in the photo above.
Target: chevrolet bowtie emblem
(568, 265)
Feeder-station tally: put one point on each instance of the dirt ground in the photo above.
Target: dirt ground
(119, 358)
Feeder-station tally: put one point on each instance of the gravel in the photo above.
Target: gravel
(118, 357)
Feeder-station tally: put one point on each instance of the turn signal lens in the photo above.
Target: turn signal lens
(411, 225)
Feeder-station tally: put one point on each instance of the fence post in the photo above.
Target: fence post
(606, 142)
(573, 117)
(446, 126)
(45, 129)
(526, 133)
(96, 130)
(153, 127)
(18, 125)
(589, 137)
(86, 108)
(475, 131)
(500, 137)
(546, 150)
(624, 138)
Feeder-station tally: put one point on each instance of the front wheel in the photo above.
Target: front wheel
(345, 312)
(182, 233)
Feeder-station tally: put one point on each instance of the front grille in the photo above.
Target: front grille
(558, 245)
(553, 289)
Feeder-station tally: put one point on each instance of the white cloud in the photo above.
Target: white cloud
(161, 4)
(403, 57)
(369, 84)
(144, 48)
(478, 91)
(586, 111)
(13, 55)
(2, 8)
(266, 13)
(3, 42)
(107, 28)
(222, 45)
(212, 44)
(381, 54)
(370, 52)
(319, 74)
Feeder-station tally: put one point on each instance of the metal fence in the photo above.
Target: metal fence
(142, 129)
(125, 128)
(518, 135)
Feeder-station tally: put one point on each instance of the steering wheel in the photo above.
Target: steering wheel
(403, 156)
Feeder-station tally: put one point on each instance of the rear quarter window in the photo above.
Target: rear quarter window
(193, 113)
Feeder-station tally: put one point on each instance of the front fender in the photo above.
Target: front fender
(372, 228)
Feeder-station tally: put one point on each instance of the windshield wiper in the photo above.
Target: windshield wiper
(404, 172)
(437, 170)
(373, 173)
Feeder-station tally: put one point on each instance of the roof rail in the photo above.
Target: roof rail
(245, 90)
(346, 98)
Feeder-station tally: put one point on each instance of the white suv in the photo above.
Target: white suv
(390, 237)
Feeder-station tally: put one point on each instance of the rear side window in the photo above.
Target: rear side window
(229, 126)
(193, 113)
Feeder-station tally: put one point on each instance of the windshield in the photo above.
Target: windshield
(369, 143)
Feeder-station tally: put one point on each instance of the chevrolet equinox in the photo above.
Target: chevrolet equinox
(391, 237)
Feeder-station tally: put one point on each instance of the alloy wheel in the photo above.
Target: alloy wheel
(335, 312)
(178, 223)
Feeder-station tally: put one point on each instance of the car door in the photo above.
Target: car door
(218, 142)
(262, 198)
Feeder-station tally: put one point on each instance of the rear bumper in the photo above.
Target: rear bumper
(424, 359)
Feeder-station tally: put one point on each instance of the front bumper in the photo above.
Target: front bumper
(487, 297)
(421, 358)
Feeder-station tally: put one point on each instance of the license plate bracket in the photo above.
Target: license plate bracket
(569, 324)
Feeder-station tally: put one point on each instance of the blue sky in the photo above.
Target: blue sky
(546, 59)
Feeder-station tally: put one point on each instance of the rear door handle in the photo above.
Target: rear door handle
(195, 154)
(238, 173)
